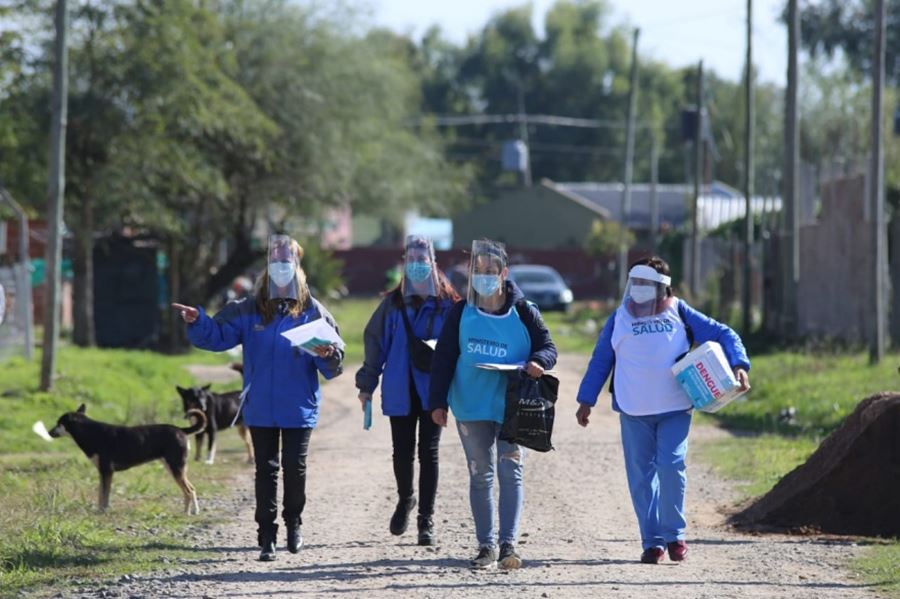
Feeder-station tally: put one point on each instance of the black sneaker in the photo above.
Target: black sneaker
(400, 519)
(426, 531)
(486, 559)
(509, 559)
(294, 539)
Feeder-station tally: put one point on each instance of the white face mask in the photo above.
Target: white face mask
(281, 273)
(643, 293)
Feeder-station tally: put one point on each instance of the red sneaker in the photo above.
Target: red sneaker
(677, 551)
(654, 555)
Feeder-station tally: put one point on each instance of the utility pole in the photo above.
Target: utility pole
(747, 287)
(879, 234)
(629, 164)
(56, 188)
(523, 135)
(698, 180)
(790, 263)
(654, 198)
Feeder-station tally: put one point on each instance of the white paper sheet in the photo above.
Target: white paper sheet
(509, 367)
(311, 334)
(493, 366)
(41, 431)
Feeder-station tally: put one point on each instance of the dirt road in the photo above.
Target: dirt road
(579, 536)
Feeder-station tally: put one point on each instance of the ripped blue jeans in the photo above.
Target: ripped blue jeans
(485, 455)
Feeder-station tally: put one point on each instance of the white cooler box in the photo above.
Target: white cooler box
(706, 377)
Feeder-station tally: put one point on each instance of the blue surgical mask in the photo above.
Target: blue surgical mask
(417, 272)
(281, 273)
(486, 284)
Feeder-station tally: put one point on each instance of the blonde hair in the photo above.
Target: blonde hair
(267, 306)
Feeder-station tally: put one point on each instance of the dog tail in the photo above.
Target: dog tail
(237, 367)
(198, 419)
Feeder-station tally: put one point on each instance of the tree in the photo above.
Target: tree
(603, 240)
(829, 26)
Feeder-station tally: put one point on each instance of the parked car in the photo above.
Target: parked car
(542, 285)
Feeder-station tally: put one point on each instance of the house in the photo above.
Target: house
(559, 215)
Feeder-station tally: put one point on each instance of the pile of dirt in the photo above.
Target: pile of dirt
(850, 485)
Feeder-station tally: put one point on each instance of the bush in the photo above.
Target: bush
(603, 240)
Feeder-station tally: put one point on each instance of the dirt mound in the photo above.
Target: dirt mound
(850, 485)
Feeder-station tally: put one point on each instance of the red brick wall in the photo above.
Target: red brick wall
(589, 278)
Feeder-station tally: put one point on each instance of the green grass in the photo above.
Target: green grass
(756, 462)
(823, 388)
(118, 386)
(352, 315)
(51, 533)
(576, 331)
(880, 566)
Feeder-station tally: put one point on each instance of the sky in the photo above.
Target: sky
(678, 33)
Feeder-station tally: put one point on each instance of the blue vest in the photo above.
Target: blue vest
(475, 393)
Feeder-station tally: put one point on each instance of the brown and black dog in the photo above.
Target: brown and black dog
(221, 410)
(113, 448)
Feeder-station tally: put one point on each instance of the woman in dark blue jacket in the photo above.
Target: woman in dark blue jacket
(495, 325)
(281, 394)
(425, 296)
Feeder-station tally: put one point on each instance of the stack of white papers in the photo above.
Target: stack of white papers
(314, 334)
(508, 367)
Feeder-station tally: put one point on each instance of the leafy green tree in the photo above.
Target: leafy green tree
(603, 240)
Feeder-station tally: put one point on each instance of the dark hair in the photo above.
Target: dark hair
(496, 251)
(657, 264)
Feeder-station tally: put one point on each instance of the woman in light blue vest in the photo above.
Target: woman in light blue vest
(640, 342)
(495, 325)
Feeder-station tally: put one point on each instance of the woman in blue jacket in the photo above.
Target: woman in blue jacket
(419, 305)
(281, 394)
(640, 342)
(494, 325)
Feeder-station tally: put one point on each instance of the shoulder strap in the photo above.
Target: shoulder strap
(409, 332)
(522, 308)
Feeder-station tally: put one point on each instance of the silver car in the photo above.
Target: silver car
(542, 285)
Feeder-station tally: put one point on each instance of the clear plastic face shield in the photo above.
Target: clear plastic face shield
(645, 292)
(283, 262)
(487, 275)
(419, 269)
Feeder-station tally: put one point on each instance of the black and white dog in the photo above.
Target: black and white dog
(220, 410)
(114, 448)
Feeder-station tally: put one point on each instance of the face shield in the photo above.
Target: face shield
(645, 292)
(419, 270)
(283, 262)
(487, 275)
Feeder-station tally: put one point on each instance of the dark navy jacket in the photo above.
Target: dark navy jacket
(443, 366)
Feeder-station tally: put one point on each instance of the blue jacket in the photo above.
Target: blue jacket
(443, 366)
(283, 380)
(703, 329)
(387, 352)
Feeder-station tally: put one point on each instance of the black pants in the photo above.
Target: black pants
(403, 433)
(294, 447)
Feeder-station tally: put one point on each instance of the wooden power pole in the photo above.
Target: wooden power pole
(747, 287)
(629, 165)
(56, 188)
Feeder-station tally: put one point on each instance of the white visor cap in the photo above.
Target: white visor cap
(648, 273)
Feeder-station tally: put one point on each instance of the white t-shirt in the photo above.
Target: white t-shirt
(646, 348)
